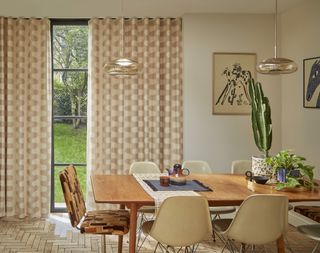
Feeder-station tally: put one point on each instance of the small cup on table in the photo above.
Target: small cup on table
(164, 181)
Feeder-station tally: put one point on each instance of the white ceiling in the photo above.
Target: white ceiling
(137, 8)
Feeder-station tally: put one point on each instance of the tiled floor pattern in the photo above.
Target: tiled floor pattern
(41, 236)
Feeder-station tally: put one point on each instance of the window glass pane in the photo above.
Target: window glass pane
(70, 138)
(70, 46)
(70, 79)
(58, 196)
(70, 93)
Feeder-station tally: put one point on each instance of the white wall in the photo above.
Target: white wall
(300, 39)
(219, 139)
(60, 8)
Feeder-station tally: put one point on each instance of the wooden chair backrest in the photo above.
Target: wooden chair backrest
(72, 194)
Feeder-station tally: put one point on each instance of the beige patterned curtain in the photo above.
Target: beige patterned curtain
(24, 117)
(135, 118)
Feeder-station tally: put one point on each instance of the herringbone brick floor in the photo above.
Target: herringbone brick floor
(41, 236)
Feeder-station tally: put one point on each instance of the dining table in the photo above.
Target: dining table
(227, 190)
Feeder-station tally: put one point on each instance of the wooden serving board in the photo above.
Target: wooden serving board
(252, 186)
(295, 189)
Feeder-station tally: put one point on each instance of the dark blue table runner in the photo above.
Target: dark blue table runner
(193, 185)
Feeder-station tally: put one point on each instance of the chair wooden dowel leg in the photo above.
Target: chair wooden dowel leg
(280, 244)
(103, 244)
(120, 242)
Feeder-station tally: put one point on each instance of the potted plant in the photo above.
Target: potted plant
(261, 126)
(290, 171)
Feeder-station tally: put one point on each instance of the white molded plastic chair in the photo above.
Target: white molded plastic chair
(202, 167)
(312, 231)
(182, 221)
(197, 166)
(261, 219)
(240, 166)
(144, 167)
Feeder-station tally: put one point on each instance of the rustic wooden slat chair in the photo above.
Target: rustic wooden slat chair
(104, 222)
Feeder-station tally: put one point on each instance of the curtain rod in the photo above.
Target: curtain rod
(87, 19)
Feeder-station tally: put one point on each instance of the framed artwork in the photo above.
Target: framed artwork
(231, 73)
(311, 82)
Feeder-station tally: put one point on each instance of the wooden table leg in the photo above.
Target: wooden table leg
(280, 245)
(120, 237)
(120, 243)
(133, 228)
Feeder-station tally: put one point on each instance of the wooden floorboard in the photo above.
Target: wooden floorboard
(41, 236)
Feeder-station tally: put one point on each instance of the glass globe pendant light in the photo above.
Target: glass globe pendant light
(276, 65)
(122, 66)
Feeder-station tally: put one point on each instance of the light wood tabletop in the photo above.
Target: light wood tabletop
(227, 190)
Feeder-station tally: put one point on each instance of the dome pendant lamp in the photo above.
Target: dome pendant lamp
(276, 65)
(122, 66)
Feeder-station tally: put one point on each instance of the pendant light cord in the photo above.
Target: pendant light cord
(275, 29)
(122, 29)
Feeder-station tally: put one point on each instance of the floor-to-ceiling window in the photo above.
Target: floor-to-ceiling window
(69, 42)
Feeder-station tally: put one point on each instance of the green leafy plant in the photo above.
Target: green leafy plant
(296, 172)
(260, 117)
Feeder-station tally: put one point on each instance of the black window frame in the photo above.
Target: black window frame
(56, 22)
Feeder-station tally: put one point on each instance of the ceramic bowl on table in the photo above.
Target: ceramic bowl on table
(181, 180)
(260, 179)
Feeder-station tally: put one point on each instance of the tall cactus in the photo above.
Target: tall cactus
(260, 117)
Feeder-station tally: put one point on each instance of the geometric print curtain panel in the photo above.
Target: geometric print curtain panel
(140, 117)
(25, 102)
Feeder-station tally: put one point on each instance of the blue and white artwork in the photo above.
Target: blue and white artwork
(311, 71)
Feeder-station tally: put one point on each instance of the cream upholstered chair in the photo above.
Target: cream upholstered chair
(261, 219)
(312, 231)
(138, 168)
(202, 167)
(104, 222)
(240, 166)
(182, 221)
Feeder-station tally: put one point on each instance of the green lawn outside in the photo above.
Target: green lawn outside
(70, 147)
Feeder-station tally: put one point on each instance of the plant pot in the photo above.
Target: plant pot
(281, 175)
(260, 167)
(295, 173)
